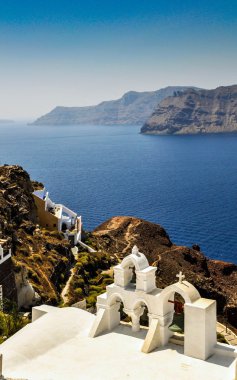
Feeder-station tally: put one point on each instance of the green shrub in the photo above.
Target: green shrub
(78, 292)
(11, 322)
(106, 275)
(56, 234)
(79, 265)
(108, 281)
(78, 283)
(91, 300)
(95, 288)
(221, 338)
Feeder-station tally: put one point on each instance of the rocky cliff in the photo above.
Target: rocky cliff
(43, 255)
(195, 111)
(214, 279)
(132, 109)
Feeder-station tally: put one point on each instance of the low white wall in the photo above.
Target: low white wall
(200, 328)
(40, 193)
(6, 257)
(68, 211)
(39, 311)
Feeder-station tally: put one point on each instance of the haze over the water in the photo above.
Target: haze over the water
(72, 53)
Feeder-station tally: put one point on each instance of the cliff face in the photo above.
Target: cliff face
(214, 279)
(43, 254)
(132, 109)
(16, 200)
(7, 280)
(195, 111)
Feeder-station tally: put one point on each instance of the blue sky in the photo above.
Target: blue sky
(72, 53)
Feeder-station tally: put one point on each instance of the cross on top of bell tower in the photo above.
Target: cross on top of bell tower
(181, 277)
(135, 250)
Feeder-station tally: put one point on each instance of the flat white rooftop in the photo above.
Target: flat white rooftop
(56, 346)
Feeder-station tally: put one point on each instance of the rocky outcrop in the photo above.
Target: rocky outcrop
(132, 109)
(42, 254)
(195, 111)
(16, 200)
(214, 279)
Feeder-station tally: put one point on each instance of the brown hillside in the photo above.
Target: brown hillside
(214, 279)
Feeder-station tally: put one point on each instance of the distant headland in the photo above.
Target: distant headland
(133, 108)
(195, 112)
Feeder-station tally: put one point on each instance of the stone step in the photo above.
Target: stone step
(177, 339)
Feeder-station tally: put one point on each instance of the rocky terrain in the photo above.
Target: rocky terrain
(44, 255)
(195, 111)
(132, 109)
(48, 260)
(214, 279)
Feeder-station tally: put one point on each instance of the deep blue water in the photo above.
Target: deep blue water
(188, 184)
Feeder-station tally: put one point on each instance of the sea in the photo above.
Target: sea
(188, 184)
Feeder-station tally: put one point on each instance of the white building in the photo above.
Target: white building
(57, 216)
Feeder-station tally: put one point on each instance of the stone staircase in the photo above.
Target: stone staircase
(228, 334)
(177, 338)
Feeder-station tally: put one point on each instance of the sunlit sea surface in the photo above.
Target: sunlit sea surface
(188, 184)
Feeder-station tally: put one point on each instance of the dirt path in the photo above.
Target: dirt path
(66, 287)
(129, 236)
(45, 278)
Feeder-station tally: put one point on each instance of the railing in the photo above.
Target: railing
(40, 193)
(68, 211)
(4, 255)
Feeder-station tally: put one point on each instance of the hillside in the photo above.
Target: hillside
(42, 254)
(192, 112)
(214, 279)
(132, 109)
(45, 256)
